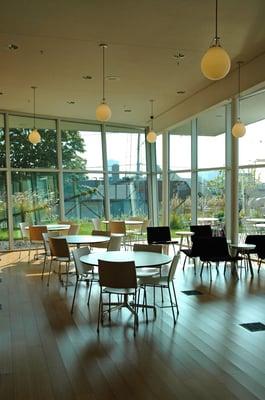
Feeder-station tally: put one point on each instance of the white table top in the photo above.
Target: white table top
(243, 246)
(85, 239)
(184, 233)
(141, 258)
(209, 219)
(256, 220)
(53, 227)
(127, 222)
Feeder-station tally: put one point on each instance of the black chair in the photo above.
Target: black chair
(214, 249)
(201, 230)
(259, 241)
(194, 251)
(160, 235)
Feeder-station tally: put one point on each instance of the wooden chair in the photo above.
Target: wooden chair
(74, 229)
(60, 252)
(103, 245)
(115, 243)
(36, 239)
(117, 278)
(118, 227)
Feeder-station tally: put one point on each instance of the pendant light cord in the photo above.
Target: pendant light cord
(103, 72)
(216, 21)
(34, 106)
(239, 76)
(152, 114)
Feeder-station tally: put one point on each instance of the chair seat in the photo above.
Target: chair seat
(153, 280)
(142, 272)
(119, 291)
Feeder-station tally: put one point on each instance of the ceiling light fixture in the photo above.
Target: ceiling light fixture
(215, 63)
(239, 128)
(151, 136)
(103, 112)
(34, 136)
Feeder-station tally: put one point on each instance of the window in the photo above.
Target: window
(2, 143)
(24, 154)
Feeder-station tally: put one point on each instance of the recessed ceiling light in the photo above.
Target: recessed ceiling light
(70, 102)
(127, 109)
(87, 77)
(112, 78)
(12, 47)
(181, 91)
(219, 115)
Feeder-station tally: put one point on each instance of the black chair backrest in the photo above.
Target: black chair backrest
(213, 248)
(259, 241)
(201, 230)
(158, 234)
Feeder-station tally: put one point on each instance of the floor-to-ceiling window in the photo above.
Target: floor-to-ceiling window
(251, 196)
(211, 167)
(180, 177)
(83, 180)
(126, 163)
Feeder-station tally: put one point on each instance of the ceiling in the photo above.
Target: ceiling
(58, 44)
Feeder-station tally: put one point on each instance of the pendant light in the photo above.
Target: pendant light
(151, 136)
(215, 63)
(239, 128)
(103, 112)
(34, 136)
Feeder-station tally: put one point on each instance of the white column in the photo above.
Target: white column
(165, 175)
(234, 176)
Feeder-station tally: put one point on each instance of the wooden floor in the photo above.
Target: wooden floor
(45, 353)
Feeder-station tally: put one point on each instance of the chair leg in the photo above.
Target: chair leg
(48, 282)
(99, 309)
(184, 263)
(172, 305)
(175, 296)
(73, 302)
(44, 265)
(194, 263)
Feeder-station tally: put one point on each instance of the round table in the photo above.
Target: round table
(142, 259)
(86, 239)
(183, 235)
(53, 227)
(244, 248)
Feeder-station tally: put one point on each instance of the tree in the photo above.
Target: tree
(24, 154)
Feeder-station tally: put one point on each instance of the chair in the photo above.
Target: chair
(142, 234)
(155, 248)
(103, 245)
(96, 223)
(194, 251)
(160, 235)
(117, 278)
(114, 243)
(74, 229)
(118, 227)
(82, 271)
(214, 249)
(60, 252)
(164, 281)
(36, 239)
(47, 250)
(259, 241)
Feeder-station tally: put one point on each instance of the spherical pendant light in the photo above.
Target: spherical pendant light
(103, 111)
(151, 137)
(215, 63)
(238, 129)
(34, 137)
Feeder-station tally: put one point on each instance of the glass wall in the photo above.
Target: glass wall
(4, 245)
(2, 143)
(24, 154)
(126, 162)
(180, 177)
